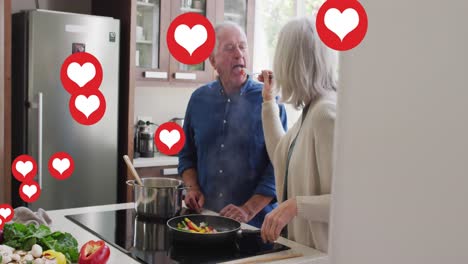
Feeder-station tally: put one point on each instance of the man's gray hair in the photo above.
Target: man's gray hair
(219, 27)
(304, 67)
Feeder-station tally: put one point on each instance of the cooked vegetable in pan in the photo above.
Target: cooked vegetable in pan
(188, 226)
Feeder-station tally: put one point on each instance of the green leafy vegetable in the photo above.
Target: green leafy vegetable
(23, 237)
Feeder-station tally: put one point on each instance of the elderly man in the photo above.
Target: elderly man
(224, 159)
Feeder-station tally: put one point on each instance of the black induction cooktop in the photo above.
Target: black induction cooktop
(149, 241)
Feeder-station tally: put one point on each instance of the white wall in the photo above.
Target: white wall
(400, 190)
(73, 6)
(161, 103)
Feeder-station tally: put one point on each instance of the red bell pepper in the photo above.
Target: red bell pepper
(94, 252)
(191, 225)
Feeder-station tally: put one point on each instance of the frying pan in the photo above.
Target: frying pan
(228, 230)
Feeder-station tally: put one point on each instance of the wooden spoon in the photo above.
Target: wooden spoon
(132, 170)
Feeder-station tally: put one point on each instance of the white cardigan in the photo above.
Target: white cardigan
(310, 167)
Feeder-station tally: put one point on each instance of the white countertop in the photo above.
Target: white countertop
(158, 160)
(59, 222)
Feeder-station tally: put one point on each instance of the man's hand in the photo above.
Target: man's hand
(277, 219)
(194, 199)
(236, 213)
(267, 91)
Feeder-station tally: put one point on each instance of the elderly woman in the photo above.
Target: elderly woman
(305, 74)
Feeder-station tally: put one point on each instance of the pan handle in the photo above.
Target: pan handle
(249, 232)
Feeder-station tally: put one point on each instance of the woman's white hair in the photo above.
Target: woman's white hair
(304, 67)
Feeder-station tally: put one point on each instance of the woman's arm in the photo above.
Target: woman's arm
(314, 208)
(272, 126)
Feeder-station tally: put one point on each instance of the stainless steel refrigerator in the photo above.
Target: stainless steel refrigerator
(42, 40)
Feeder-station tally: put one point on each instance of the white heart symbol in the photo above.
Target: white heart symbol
(341, 23)
(61, 165)
(29, 190)
(81, 75)
(87, 105)
(169, 138)
(24, 167)
(190, 39)
(5, 212)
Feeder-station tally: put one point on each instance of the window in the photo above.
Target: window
(312, 6)
(270, 16)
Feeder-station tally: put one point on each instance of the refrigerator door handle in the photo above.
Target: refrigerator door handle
(39, 138)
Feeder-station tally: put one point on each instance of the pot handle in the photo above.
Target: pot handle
(130, 182)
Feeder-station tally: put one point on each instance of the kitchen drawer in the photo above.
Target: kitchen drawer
(160, 171)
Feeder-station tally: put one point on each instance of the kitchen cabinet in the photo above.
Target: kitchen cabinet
(202, 72)
(151, 59)
(159, 171)
(153, 62)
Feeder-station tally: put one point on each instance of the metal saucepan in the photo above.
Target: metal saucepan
(150, 240)
(229, 230)
(150, 235)
(158, 197)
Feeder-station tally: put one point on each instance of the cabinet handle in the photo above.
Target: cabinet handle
(185, 76)
(167, 172)
(156, 75)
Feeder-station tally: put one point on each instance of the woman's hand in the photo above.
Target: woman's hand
(277, 219)
(267, 91)
(194, 199)
(235, 212)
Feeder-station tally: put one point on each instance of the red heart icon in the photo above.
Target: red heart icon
(87, 107)
(81, 71)
(341, 25)
(24, 168)
(169, 138)
(30, 191)
(190, 38)
(6, 212)
(61, 165)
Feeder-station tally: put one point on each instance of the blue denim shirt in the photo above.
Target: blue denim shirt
(225, 144)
